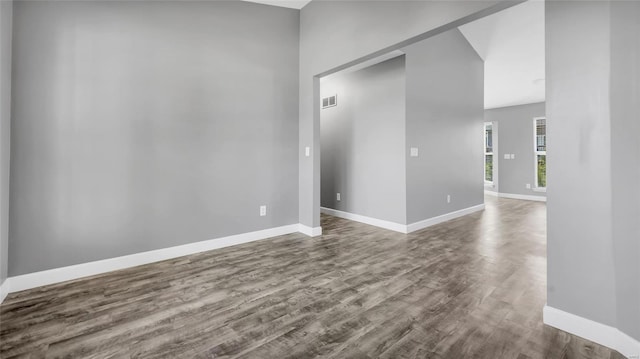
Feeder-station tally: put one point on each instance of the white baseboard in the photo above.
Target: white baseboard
(310, 231)
(491, 193)
(402, 228)
(525, 197)
(443, 218)
(4, 290)
(596, 332)
(57, 275)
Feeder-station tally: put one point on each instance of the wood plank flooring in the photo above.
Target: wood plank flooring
(473, 287)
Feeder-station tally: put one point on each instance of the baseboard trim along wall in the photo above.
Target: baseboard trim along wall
(63, 274)
(392, 226)
(596, 332)
(310, 231)
(4, 290)
(57, 275)
(402, 228)
(525, 197)
(443, 218)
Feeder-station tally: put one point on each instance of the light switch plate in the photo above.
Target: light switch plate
(513, 156)
(414, 152)
(307, 151)
(506, 156)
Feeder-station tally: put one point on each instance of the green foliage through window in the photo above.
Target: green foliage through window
(542, 170)
(540, 145)
(488, 168)
(488, 152)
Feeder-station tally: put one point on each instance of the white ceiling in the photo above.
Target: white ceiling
(292, 4)
(511, 43)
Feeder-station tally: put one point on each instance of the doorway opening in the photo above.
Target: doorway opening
(512, 46)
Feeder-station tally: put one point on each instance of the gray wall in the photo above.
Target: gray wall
(580, 260)
(592, 111)
(625, 161)
(363, 142)
(445, 95)
(6, 15)
(333, 33)
(141, 125)
(515, 135)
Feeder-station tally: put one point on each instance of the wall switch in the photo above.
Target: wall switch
(414, 152)
(506, 156)
(263, 211)
(448, 198)
(528, 185)
(307, 151)
(337, 196)
(513, 156)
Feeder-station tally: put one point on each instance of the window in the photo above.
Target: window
(488, 152)
(540, 143)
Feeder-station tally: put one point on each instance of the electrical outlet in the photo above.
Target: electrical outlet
(448, 198)
(506, 156)
(263, 211)
(513, 156)
(413, 152)
(528, 185)
(338, 196)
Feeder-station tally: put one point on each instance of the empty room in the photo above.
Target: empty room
(330, 179)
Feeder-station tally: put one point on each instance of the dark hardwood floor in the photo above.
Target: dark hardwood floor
(473, 287)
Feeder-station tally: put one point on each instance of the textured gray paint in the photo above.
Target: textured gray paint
(515, 135)
(581, 278)
(333, 33)
(363, 142)
(6, 15)
(445, 95)
(593, 108)
(625, 161)
(141, 125)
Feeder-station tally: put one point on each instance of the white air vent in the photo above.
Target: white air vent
(330, 101)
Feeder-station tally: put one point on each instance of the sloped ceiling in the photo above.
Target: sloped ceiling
(293, 4)
(511, 43)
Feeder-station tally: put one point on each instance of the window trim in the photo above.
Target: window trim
(492, 153)
(536, 153)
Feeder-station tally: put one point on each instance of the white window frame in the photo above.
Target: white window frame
(536, 153)
(492, 153)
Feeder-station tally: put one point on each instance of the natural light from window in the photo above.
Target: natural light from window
(488, 153)
(540, 143)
